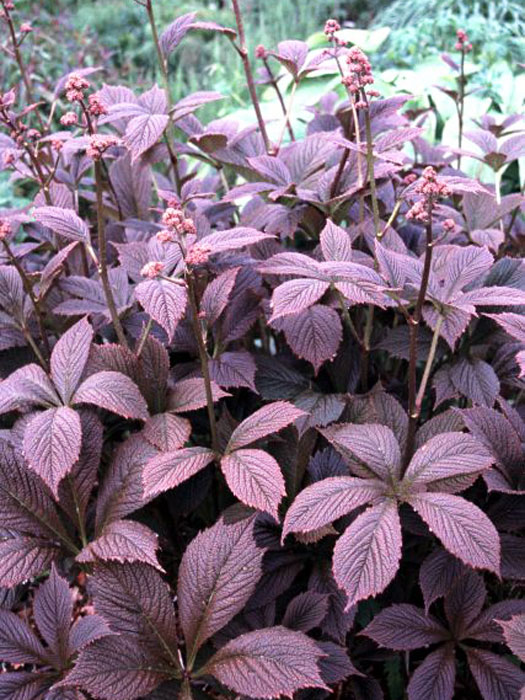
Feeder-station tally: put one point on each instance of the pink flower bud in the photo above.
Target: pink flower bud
(260, 51)
(5, 229)
(152, 269)
(198, 254)
(68, 119)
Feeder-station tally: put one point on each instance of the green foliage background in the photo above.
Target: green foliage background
(404, 39)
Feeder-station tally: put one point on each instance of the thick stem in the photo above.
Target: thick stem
(38, 314)
(461, 105)
(413, 331)
(103, 263)
(243, 52)
(287, 116)
(279, 94)
(365, 355)
(203, 356)
(339, 173)
(428, 366)
(370, 164)
(163, 64)
(20, 62)
(348, 319)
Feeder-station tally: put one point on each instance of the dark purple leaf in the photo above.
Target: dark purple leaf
(462, 528)
(123, 541)
(367, 555)
(218, 574)
(169, 469)
(52, 443)
(329, 499)
(113, 391)
(267, 420)
(268, 663)
(405, 627)
(497, 678)
(63, 221)
(434, 678)
(255, 478)
(115, 667)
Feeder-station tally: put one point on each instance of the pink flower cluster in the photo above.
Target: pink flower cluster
(360, 71)
(432, 189)
(177, 223)
(96, 107)
(5, 229)
(198, 254)
(152, 269)
(463, 44)
(75, 87)
(449, 225)
(99, 143)
(260, 51)
(69, 119)
(330, 28)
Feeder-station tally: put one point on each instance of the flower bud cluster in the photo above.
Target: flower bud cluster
(360, 71)
(463, 44)
(75, 87)
(198, 254)
(432, 189)
(152, 269)
(177, 223)
(5, 229)
(99, 143)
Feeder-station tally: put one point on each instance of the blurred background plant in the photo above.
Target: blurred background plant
(404, 40)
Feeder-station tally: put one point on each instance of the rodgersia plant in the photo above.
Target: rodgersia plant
(262, 389)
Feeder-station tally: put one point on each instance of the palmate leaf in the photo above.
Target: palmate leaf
(164, 301)
(374, 445)
(254, 476)
(52, 443)
(437, 575)
(69, 358)
(121, 491)
(63, 221)
(234, 369)
(27, 385)
(405, 627)
(496, 677)
(22, 558)
(296, 295)
(175, 32)
(18, 643)
(268, 663)
(233, 239)
(514, 633)
(434, 678)
(267, 420)
(123, 541)
(462, 528)
(113, 391)
(366, 557)
(217, 293)
(447, 455)
(143, 132)
(329, 499)
(314, 334)
(335, 243)
(85, 631)
(218, 574)
(190, 394)
(169, 469)
(25, 502)
(134, 600)
(53, 609)
(115, 667)
(22, 685)
(306, 611)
